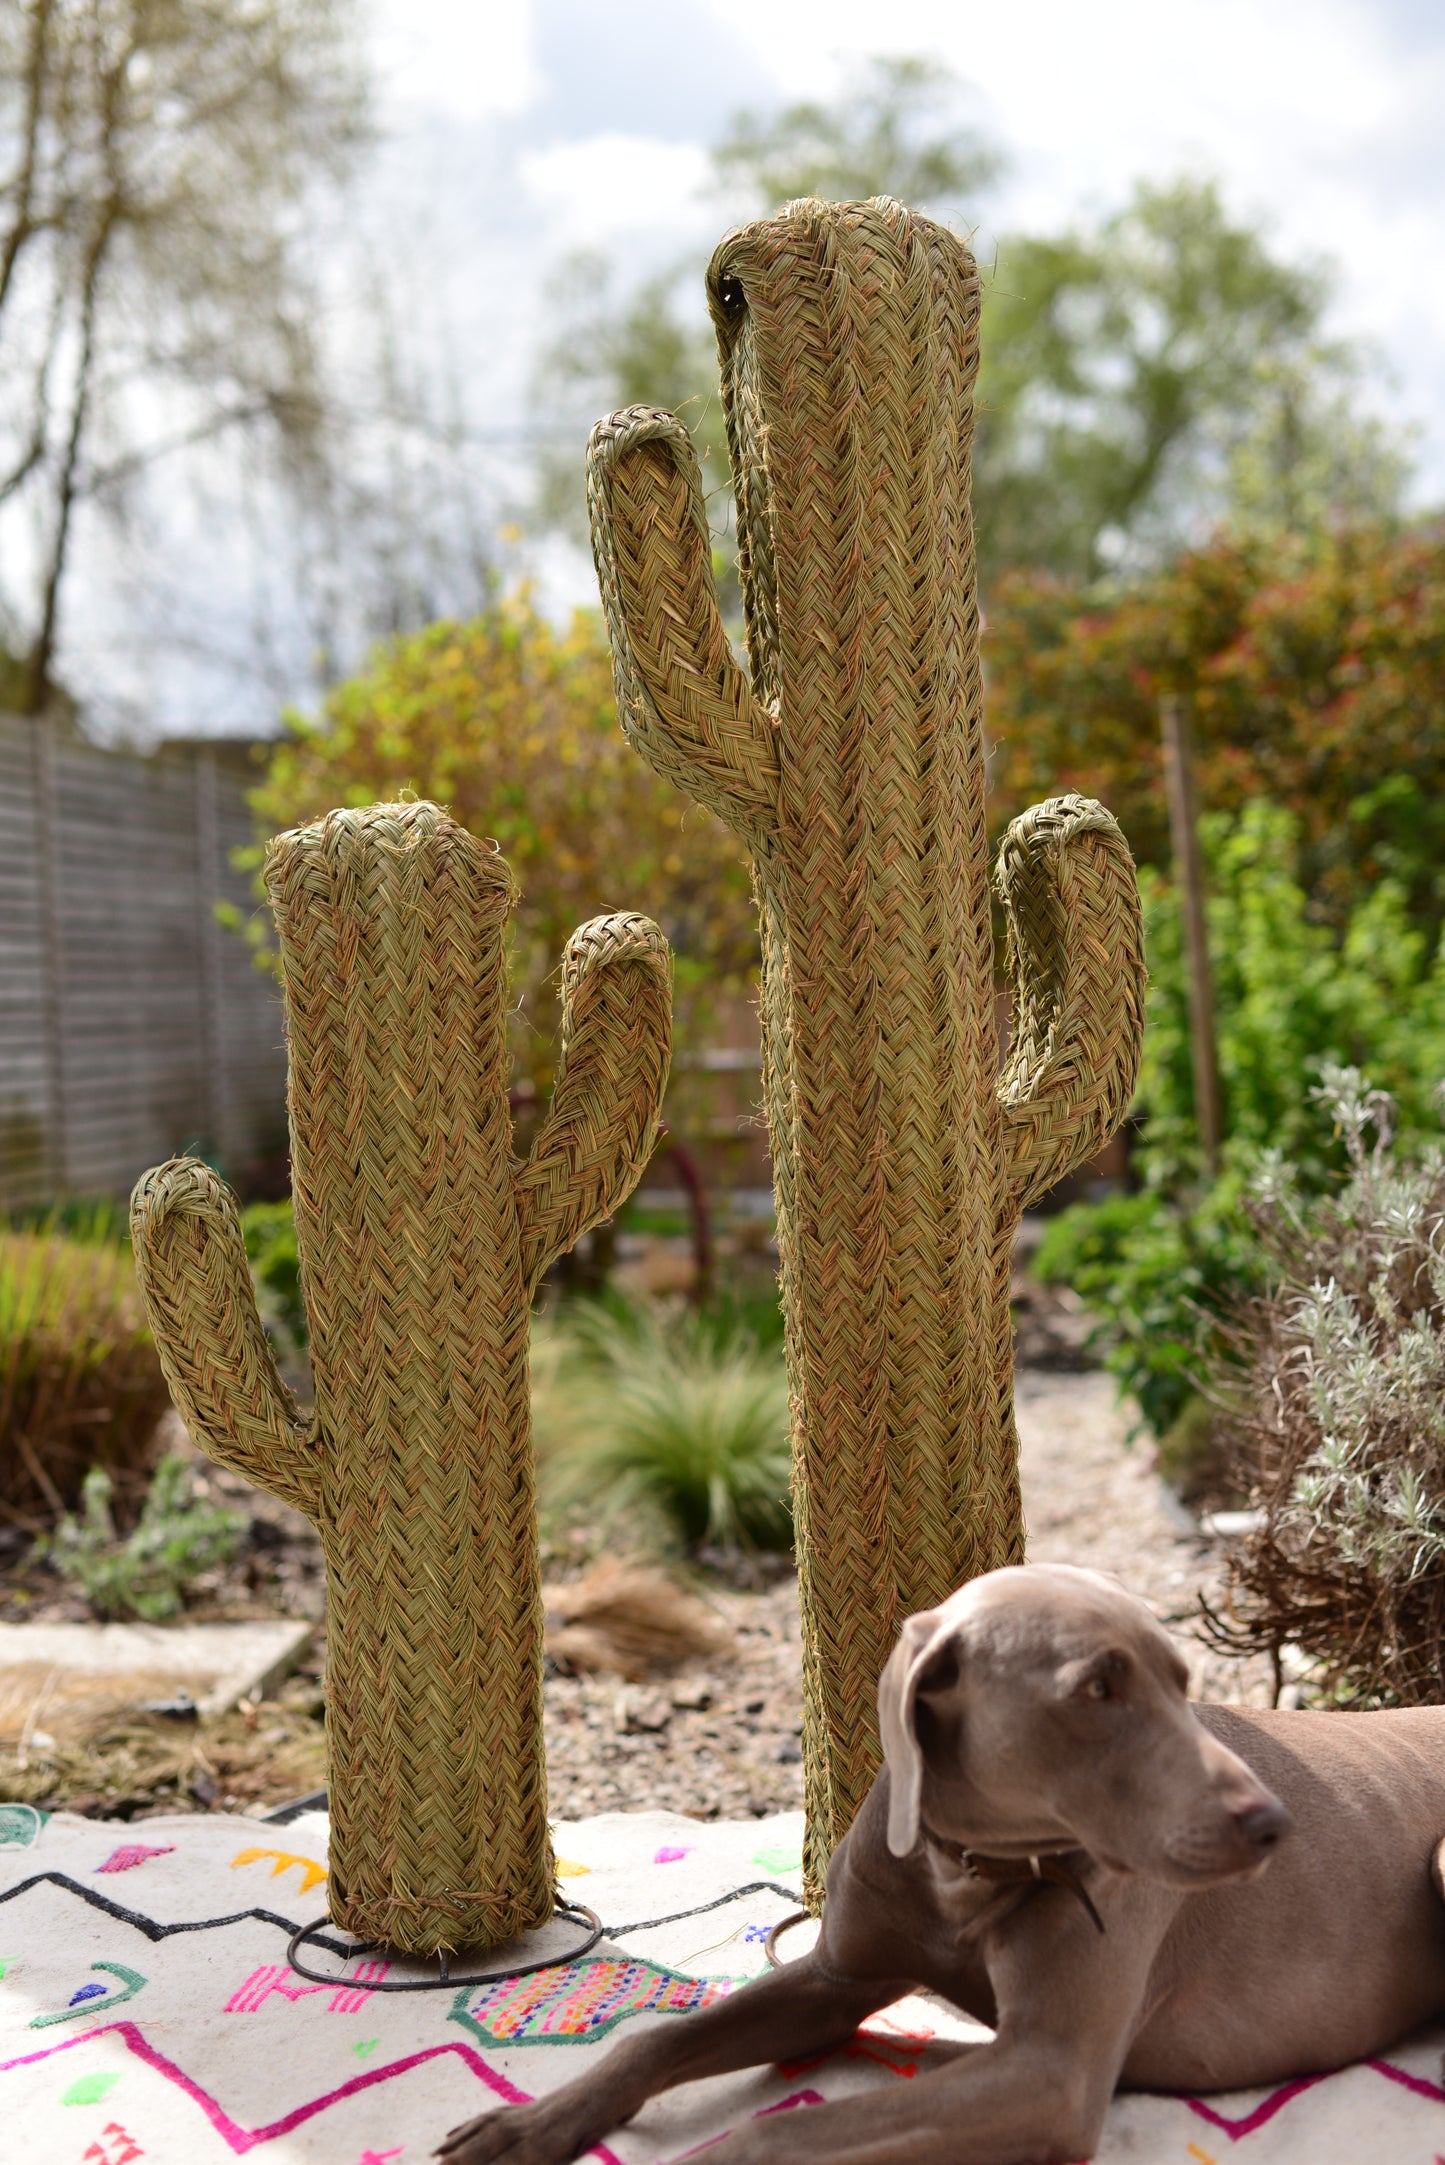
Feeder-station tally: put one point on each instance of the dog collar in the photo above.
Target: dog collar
(1016, 1871)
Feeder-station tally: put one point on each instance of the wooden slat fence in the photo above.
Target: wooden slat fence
(131, 1021)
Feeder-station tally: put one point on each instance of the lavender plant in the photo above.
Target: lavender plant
(1333, 1391)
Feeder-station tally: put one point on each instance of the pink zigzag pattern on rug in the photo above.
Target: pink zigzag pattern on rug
(1248, 2123)
(241, 2139)
(786, 2104)
(279, 1977)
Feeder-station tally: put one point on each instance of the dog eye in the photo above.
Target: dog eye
(1097, 1687)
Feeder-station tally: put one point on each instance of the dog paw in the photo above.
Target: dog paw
(517, 2135)
(474, 2141)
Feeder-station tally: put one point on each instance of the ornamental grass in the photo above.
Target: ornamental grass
(80, 1383)
(666, 1427)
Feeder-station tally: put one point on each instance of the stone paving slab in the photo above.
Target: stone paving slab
(217, 1664)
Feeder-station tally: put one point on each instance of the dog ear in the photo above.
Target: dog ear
(918, 1643)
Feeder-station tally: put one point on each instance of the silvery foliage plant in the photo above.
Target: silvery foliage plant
(1334, 1390)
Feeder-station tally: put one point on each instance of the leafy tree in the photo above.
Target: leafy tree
(155, 156)
(511, 725)
(1141, 379)
(606, 350)
(1315, 674)
(1162, 370)
(897, 128)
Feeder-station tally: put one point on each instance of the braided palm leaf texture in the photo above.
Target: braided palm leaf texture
(422, 1241)
(853, 766)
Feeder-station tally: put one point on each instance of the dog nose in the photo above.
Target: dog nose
(1264, 1824)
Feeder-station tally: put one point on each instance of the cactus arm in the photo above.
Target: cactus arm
(683, 701)
(1076, 963)
(196, 1284)
(602, 1123)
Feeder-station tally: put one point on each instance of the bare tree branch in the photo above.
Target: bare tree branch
(38, 662)
(163, 154)
(22, 226)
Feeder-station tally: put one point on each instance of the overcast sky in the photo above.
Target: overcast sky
(515, 131)
(535, 125)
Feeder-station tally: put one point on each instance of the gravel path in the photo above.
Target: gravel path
(1090, 1497)
(721, 1739)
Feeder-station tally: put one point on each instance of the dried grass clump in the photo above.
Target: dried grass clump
(628, 1619)
(115, 1761)
(1335, 1404)
(80, 1383)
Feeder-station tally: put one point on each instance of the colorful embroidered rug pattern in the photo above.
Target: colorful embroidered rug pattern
(583, 2001)
(148, 2014)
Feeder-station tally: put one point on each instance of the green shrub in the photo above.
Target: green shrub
(1194, 1455)
(675, 1422)
(80, 1383)
(275, 1260)
(752, 1314)
(178, 1537)
(1158, 1278)
(659, 1223)
(1290, 995)
(92, 1220)
(1293, 999)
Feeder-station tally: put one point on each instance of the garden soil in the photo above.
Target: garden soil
(721, 1740)
(719, 1737)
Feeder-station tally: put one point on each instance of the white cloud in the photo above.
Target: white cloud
(1320, 116)
(594, 188)
(518, 129)
(471, 59)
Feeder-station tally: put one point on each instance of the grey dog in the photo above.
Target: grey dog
(1065, 1848)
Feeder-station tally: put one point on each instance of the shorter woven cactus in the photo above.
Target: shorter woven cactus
(422, 1242)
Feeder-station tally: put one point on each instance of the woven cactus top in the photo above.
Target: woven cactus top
(848, 338)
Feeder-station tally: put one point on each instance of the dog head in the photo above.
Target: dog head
(1042, 1707)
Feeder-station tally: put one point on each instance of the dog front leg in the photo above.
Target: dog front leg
(1068, 2005)
(800, 2009)
(990, 2106)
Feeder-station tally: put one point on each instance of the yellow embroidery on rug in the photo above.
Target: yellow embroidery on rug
(312, 1873)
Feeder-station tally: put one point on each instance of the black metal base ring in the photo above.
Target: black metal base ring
(572, 1912)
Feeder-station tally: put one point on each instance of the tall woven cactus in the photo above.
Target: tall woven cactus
(853, 765)
(422, 1241)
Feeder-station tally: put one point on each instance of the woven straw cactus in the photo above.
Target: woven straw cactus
(422, 1241)
(853, 766)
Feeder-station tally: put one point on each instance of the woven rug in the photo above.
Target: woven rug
(147, 2011)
